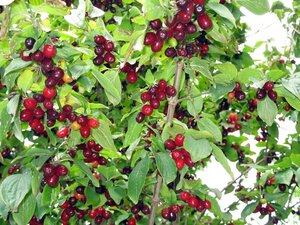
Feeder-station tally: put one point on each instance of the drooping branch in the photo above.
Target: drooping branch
(170, 115)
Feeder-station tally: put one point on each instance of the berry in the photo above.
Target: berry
(179, 139)
(239, 95)
(161, 95)
(38, 113)
(61, 170)
(176, 154)
(109, 58)
(157, 45)
(269, 208)
(162, 84)
(184, 196)
(52, 180)
(57, 73)
(171, 91)
(109, 46)
(272, 95)
(199, 9)
(269, 85)
(180, 164)
(282, 187)
(155, 103)
(131, 77)
(147, 110)
(201, 2)
(165, 213)
(48, 169)
(93, 123)
(204, 21)
(98, 60)
(172, 217)
(145, 96)
(48, 104)
(23, 57)
(193, 202)
(29, 43)
(29, 103)
(156, 24)
(49, 92)
(62, 132)
(85, 131)
(140, 117)
(82, 120)
(132, 221)
(26, 115)
(261, 94)
(162, 35)
(181, 3)
(99, 39)
(150, 38)
(174, 209)
(170, 52)
(49, 51)
(184, 16)
(38, 56)
(170, 144)
(99, 51)
(207, 204)
(263, 211)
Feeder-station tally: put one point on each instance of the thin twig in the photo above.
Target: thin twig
(200, 217)
(170, 115)
(186, 217)
(290, 198)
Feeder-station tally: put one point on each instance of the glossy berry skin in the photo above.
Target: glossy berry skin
(165, 213)
(272, 95)
(93, 123)
(48, 169)
(170, 144)
(170, 52)
(109, 46)
(155, 103)
(38, 56)
(145, 96)
(132, 221)
(52, 180)
(26, 115)
(49, 51)
(99, 39)
(239, 95)
(85, 131)
(29, 103)
(62, 132)
(157, 45)
(261, 94)
(162, 85)
(140, 117)
(269, 85)
(98, 60)
(147, 110)
(179, 139)
(156, 24)
(171, 91)
(204, 21)
(49, 92)
(109, 58)
(184, 196)
(150, 38)
(184, 16)
(61, 170)
(180, 164)
(23, 57)
(269, 208)
(207, 204)
(29, 43)
(193, 202)
(131, 77)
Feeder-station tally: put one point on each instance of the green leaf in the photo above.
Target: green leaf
(166, 166)
(248, 75)
(14, 188)
(152, 9)
(215, 207)
(267, 110)
(201, 66)
(275, 75)
(16, 64)
(102, 136)
(293, 85)
(25, 210)
(13, 104)
(92, 197)
(77, 16)
(117, 194)
(249, 209)
(51, 9)
(195, 105)
(257, 7)
(295, 159)
(228, 73)
(219, 90)
(284, 177)
(79, 69)
(133, 132)
(199, 149)
(222, 10)
(297, 174)
(137, 179)
(221, 158)
(86, 170)
(111, 83)
(208, 125)
(199, 134)
(25, 80)
(109, 172)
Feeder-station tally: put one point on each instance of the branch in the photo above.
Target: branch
(5, 23)
(200, 217)
(170, 115)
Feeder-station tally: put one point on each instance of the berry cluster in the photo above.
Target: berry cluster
(106, 5)
(170, 213)
(140, 207)
(99, 214)
(195, 201)
(263, 135)
(68, 2)
(181, 156)
(103, 50)
(232, 119)
(267, 89)
(154, 96)
(236, 93)
(13, 169)
(131, 74)
(264, 210)
(252, 104)
(91, 151)
(131, 221)
(181, 26)
(52, 173)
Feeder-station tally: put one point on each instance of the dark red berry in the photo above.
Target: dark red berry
(109, 46)
(29, 43)
(37, 56)
(155, 103)
(52, 180)
(99, 39)
(204, 21)
(170, 52)
(131, 77)
(150, 38)
(61, 170)
(140, 117)
(109, 58)
(239, 95)
(147, 110)
(272, 95)
(157, 45)
(179, 139)
(261, 94)
(49, 51)
(26, 115)
(98, 60)
(85, 131)
(171, 91)
(49, 92)
(269, 85)
(29, 103)
(170, 144)
(156, 24)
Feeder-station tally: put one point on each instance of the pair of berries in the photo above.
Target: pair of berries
(52, 173)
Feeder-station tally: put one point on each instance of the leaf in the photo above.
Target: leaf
(222, 10)
(77, 16)
(79, 69)
(249, 209)
(25, 80)
(295, 159)
(13, 104)
(50, 9)
(248, 74)
(215, 207)
(267, 110)
(16, 64)
(221, 158)
(257, 7)
(93, 11)
(198, 134)
(201, 66)
(166, 166)
(25, 210)
(275, 75)
(109, 172)
(208, 125)
(136, 179)
(284, 177)
(152, 9)
(293, 85)
(14, 188)
(219, 90)
(111, 83)
(92, 197)
(133, 132)
(297, 174)
(195, 105)
(199, 149)
(86, 170)
(102, 136)
(117, 194)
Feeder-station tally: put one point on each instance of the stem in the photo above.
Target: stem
(291, 196)
(171, 110)
(5, 22)
(200, 217)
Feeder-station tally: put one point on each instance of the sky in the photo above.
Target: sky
(262, 28)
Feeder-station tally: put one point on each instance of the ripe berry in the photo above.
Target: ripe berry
(109, 46)
(50, 82)
(184, 16)
(193, 202)
(157, 45)
(181, 3)
(82, 120)
(282, 187)
(207, 204)
(29, 43)
(99, 50)
(162, 85)
(165, 213)
(269, 85)
(85, 131)
(132, 221)
(38, 113)
(47, 66)
(170, 52)
(180, 164)
(61, 170)
(52, 180)
(269, 208)
(162, 35)
(93, 123)
(154, 103)
(145, 96)
(150, 38)
(57, 73)
(131, 77)
(184, 196)
(156, 24)
(29, 103)
(26, 115)
(38, 56)
(239, 95)
(176, 154)
(263, 211)
(140, 117)
(98, 60)
(49, 92)
(49, 51)
(199, 9)
(179, 139)
(25, 58)
(171, 91)
(272, 95)
(48, 169)
(99, 39)
(170, 144)
(109, 58)
(261, 94)
(62, 132)
(147, 110)
(174, 209)
(204, 21)
(48, 104)
(201, 2)
(161, 95)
